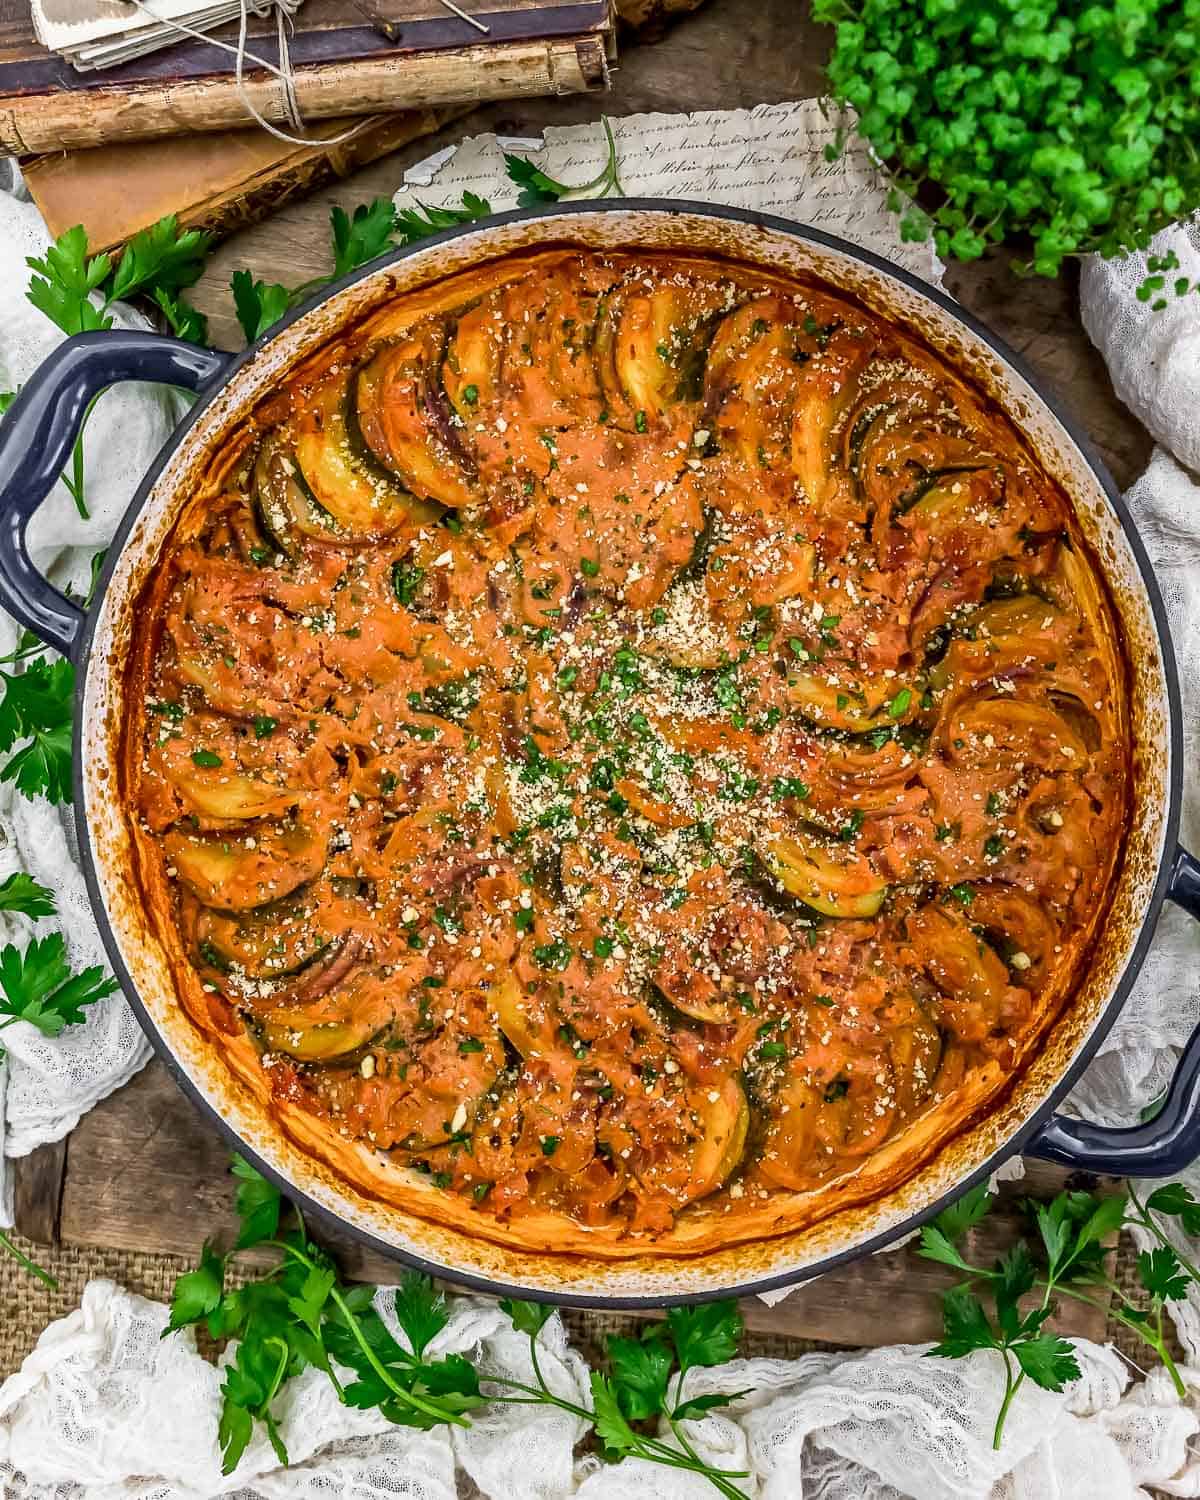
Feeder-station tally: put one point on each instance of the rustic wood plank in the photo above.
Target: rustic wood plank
(147, 1172)
(37, 1191)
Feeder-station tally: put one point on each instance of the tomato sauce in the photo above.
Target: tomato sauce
(641, 735)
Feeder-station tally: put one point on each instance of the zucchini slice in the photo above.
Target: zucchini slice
(407, 424)
(827, 385)
(273, 943)
(858, 708)
(750, 383)
(650, 347)
(839, 883)
(315, 1041)
(344, 482)
(233, 877)
(284, 505)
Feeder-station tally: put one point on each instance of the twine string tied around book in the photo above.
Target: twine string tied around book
(285, 12)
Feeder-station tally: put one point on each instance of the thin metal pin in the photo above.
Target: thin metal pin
(462, 15)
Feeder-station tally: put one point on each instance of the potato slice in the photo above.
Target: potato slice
(916, 1052)
(523, 1020)
(231, 876)
(725, 1122)
(791, 1138)
(235, 797)
(835, 881)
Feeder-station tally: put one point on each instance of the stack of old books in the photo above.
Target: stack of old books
(124, 110)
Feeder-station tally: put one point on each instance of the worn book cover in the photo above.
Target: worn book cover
(355, 57)
(213, 182)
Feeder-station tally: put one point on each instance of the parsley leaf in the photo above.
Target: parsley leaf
(21, 892)
(197, 1293)
(184, 320)
(614, 1432)
(419, 223)
(538, 187)
(161, 258)
(965, 1325)
(935, 1246)
(258, 304)
(1177, 1202)
(361, 238)
(527, 1317)
(1162, 1274)
(258, 1204)
(39, 987)
(707, 1334)
(421, 1310)
(37, 706)
(641, 1369)
(698, 1406)
(68, 278)
(965, 1212)
(1048, 1361)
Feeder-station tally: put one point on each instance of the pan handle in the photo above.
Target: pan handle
(1159, 1147)
(36, 438)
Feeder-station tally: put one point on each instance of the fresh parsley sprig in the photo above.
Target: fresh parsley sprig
(1072, 1230)
(37, 986)
(373, 228)
(639, 1387)
(76, 290)
(22, 893)
(536, 187)
(37, 708)
(300, 1314)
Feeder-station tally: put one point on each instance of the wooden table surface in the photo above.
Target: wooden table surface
(144, 1171)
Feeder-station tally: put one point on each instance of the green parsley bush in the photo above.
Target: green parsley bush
(1065, 125)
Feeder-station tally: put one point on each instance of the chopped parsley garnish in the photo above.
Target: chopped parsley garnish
(206, 759)
(555, 955)
(406, 581)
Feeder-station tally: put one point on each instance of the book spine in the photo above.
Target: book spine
(467, 75)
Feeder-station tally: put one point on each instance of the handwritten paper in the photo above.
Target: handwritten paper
(770, 158)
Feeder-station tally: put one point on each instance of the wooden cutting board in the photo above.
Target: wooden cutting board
(145, 1171)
